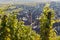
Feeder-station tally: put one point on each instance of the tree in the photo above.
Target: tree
(46, 26)
(26, 32)
(12, 29)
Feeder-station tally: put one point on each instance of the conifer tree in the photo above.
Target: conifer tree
(46, 26)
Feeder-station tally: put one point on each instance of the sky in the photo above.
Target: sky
(23, 1)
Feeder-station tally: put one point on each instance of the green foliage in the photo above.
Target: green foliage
(46, 30)
(26, 33)
(12, 29)
(58, 37)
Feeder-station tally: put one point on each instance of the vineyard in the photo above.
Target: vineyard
(12, 28)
